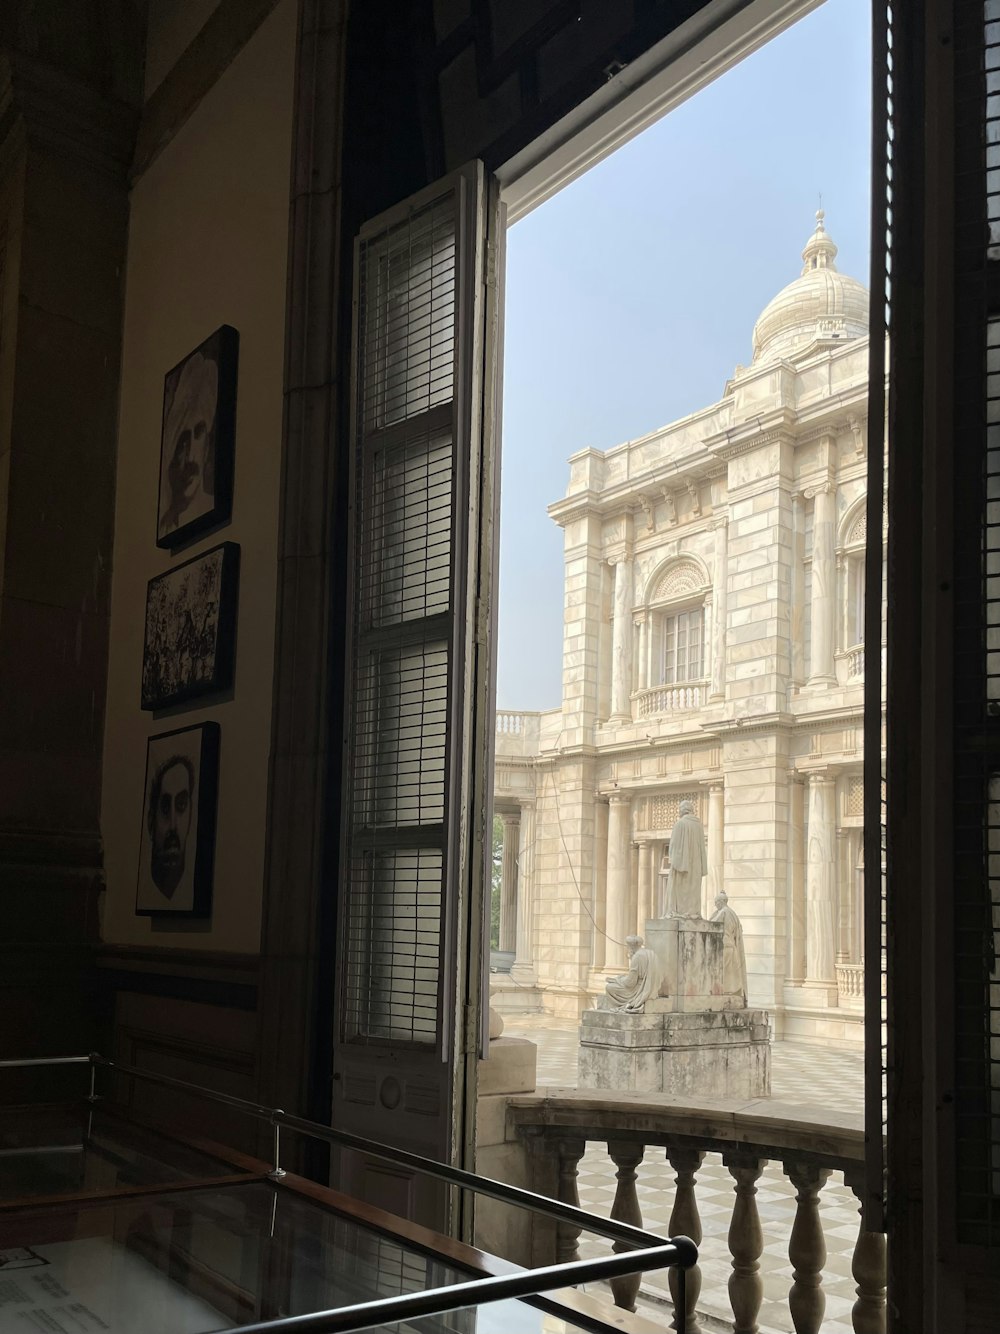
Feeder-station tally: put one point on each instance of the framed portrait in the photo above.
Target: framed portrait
(197, 439)
(189, 648)
(177, 840)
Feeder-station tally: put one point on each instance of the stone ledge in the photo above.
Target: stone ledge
(723, 1122)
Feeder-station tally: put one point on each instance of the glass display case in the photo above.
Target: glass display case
(108, 1226)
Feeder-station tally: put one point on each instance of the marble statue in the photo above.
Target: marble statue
(734, 959)
(688, 865)
(630, 991)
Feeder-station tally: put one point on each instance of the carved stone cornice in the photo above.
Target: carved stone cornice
(761, 430)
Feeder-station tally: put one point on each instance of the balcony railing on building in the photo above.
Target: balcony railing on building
(670, 698)
(556, 1129)
(518, 732)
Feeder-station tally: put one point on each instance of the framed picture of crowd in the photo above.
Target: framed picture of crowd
(177, 834)
(197, 439)
(189, 645)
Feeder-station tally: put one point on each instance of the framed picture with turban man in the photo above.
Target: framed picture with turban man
(197, 440)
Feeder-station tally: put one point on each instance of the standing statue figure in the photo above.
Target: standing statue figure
(734, 959)
(630, 991)
(688, 865)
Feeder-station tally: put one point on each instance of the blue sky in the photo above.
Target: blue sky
(631, 296)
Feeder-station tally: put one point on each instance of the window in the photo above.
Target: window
(855, 599)
(682, 638)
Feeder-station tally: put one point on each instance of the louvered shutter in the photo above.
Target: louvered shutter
(874, 597)
(413, 868)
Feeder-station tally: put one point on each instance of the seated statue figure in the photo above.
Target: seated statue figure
(630, 991)
(734, 959)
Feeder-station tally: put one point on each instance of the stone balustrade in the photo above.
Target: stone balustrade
(670, 699)
(851, 982)
(748, 1135)
(856, 662)
(517, 732)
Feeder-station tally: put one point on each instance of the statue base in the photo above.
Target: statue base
(690, 953)
(714, 1053)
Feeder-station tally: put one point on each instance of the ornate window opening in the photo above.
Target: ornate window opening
(677, 621)
(682, 643)
(852, 562)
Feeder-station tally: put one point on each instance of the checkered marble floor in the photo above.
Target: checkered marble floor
(810, 1076)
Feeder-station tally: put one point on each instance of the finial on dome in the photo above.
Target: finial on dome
(820, 251)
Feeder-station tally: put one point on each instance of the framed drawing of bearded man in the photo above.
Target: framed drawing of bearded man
(197, 440)
(177, 837)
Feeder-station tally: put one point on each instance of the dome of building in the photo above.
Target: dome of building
(821, 305)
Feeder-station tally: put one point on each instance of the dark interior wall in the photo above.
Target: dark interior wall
(67, 127)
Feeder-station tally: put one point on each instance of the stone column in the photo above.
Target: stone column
(797, 623)
(715, 880)
(797, 889)
(523, 970)
(619, 858)
(642, 623)
(600, 949)
(508, 881)
(844, 915)
(621, 642)
(821, 888)
(824, 586)
(647, 884)
(719, 612)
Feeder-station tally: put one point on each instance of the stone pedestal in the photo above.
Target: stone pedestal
(690, 953)
(713, 1053)
(504, 1155)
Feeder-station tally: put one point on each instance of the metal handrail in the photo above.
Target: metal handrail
(498, 1190)
(681, 1251)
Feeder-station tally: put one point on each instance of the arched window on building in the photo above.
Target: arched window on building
(851, 555)
(677, 608)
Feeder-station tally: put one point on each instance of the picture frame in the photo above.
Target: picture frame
(197, 440)
(189, 644)
(178, 823)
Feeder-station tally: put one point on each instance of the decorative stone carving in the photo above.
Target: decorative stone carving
(734, 959)
(857, 430)
(857, 534)
(668, 500)
(630, 991)
(688, 865)
(681, 578)
(692, 490)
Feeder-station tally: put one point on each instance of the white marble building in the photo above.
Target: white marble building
(712, 649)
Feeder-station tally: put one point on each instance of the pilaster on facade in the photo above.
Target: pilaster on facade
(621, 639)
(523, 968)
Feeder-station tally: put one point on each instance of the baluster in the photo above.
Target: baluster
(746, 1242)
(626, 1158)
(685, 1221)
(570, 1151)
(867, 1266)
(807, 1248)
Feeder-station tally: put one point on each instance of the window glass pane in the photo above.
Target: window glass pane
(669, 637)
